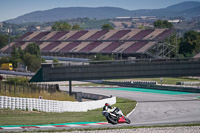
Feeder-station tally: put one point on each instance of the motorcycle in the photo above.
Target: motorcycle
(115, 116)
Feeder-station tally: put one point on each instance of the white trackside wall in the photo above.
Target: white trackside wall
(52, 105)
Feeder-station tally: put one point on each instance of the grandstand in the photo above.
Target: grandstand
(127, 43)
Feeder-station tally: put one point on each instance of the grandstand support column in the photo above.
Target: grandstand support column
(70, 87)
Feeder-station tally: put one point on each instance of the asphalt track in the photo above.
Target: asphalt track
(154, 108)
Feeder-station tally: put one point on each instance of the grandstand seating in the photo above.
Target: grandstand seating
(141, 34)
(108, 35)
(28, 38)
(123, 47)
(47, 37)
(100, 47)
(93, 41)
(153, 34)
(133, 48)
(119, 34)
(68, 47)
(111, 47)
(44, 44)
(146, 47)
(39, 36)
(77, 35)
(89, 47)
(79, 47)
(164, 34)
(60, 46)
(87, 35)
(58, 35)
(24, 36)
(97, 35)
(50, 46)
(130, 34)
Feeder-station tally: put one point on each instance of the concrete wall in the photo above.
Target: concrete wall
(52, 105)
(117, 71)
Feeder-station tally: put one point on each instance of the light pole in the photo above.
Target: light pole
(9, 30)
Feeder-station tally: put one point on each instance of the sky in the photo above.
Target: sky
(10, 9)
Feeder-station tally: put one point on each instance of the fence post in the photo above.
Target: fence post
(15, 87)
(5, 88)
(9, 88)
(15, 90)
(0, 86)
(39, 88)
(28, 88)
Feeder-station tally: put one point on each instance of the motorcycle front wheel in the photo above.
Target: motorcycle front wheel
(128, 121)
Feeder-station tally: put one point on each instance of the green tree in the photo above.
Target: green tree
(107, 27)
(76, 27)
(55, 61)
(162, 24)
(5, 59)
(3, 40)
(33, 62)
(15, 56)
(61, 26)
(33, 48)
(190, 44)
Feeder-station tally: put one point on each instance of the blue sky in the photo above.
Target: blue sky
(10, 9)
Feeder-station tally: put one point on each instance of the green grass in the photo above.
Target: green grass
(18, 117)
(60, 96)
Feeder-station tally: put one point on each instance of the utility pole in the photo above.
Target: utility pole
(9, 32)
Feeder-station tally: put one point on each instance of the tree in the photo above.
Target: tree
(15, 56)
(33, 48)
(190, 44)
(107, 27)
(61, 26)
(162, 24)
(3, 40)
(33, 62)
(76, 27)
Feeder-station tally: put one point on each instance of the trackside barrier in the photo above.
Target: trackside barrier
(32, 104)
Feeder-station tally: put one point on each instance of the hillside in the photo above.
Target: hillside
(185, 9)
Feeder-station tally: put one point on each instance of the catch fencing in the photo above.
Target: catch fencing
(26, 88)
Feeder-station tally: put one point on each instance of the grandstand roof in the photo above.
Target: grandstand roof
(93, 41)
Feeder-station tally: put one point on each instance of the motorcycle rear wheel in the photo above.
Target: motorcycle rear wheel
(111, 119)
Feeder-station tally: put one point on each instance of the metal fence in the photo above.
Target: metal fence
(26, 88)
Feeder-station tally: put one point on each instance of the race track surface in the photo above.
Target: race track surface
(155, 108)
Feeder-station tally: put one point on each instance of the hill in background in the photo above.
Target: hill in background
(185, 9)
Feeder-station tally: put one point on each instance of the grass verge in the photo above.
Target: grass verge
(18, 117)
(60, 96)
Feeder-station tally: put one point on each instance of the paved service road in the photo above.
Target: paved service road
(155, 108)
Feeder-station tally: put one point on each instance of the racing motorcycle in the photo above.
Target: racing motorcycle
(115, 116)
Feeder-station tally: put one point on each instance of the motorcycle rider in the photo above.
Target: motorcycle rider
(114, 110)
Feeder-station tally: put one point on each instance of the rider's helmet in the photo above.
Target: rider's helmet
(107, 104)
